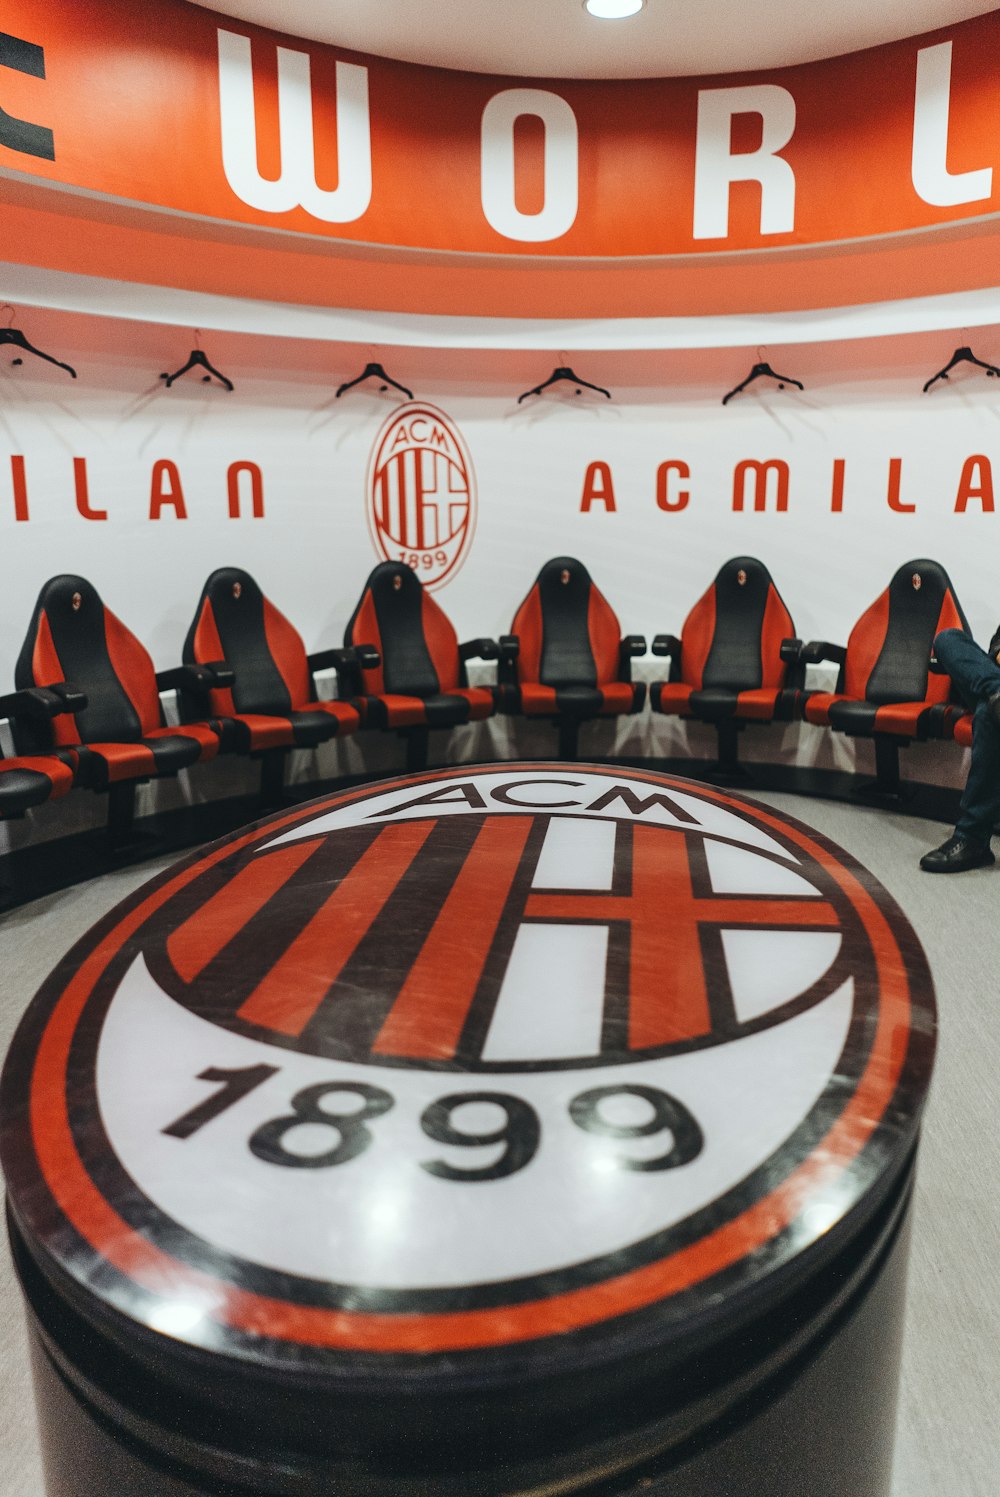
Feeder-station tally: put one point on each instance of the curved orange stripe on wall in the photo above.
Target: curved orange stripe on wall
(143, 122)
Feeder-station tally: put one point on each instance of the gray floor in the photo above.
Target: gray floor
(949, 1422)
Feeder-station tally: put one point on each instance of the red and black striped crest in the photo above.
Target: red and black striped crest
(450, 929)
(465, 1060)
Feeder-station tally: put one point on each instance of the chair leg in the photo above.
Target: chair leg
(727, 734)
(887, 788)
(272, 777)
(569, 737)
(727, 769)
(887, 766)
(121, 812)
(417, 748)
(7, 890)
(123, 841)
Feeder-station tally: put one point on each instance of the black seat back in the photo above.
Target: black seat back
(414, 637)
(74, 637)
(236, 623)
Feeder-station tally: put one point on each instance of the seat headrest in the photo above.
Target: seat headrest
(230, 584)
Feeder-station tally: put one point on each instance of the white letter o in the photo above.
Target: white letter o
(561, 165)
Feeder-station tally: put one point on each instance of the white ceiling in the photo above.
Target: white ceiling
(558, 39)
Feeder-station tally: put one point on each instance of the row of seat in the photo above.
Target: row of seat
(87, 709)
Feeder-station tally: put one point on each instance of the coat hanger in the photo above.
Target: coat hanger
(762, 369)
(197, 359)
(564, 373)
(374, 371)
(963, 355)
(16, 338)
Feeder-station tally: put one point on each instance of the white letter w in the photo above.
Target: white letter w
(296, 186)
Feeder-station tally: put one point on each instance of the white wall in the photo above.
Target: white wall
(312, 551)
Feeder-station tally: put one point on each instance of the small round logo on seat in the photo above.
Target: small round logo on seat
(564, 576)
(77, 601)
(237, 589)
(421, 493)
(917, 581)
(741, 577)
(397, 583)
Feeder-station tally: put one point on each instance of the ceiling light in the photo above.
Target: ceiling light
(613, 10)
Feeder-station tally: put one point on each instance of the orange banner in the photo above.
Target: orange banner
(214, 119)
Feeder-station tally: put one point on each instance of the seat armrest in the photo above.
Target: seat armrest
(42, 703)
(349, 661)
(632, 645)
(197, 679)
(790, 652)
(628, 647)
(72, 697)
(368, 657)
(821, 649)
(510, 649)
(479, 649)
(667, 644)
(222, 673)
(345, 657)
(325, 660)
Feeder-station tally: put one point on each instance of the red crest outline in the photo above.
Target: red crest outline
(420, 493)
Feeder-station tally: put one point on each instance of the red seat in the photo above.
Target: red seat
(267, 702)
(115, 725)
(31, 780)
(565, 658)
(736, 660)
(409, 668)
(886, 690)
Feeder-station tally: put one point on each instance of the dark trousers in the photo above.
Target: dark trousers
(977, 677)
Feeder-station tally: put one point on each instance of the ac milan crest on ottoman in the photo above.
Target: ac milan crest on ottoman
(508, 1124)
(435, 1061)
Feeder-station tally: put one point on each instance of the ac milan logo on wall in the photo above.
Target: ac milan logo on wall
(432, 1064)
(421, 493)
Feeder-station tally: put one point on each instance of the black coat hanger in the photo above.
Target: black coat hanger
(374, 371)
(963, 355)
(16, 338)
(197, 359)
(759, 370)
(561, 373)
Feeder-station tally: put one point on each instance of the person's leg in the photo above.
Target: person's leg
(980, 807)
(977, 679)
(976, 674)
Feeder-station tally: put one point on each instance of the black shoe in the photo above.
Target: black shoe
(957, 855)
